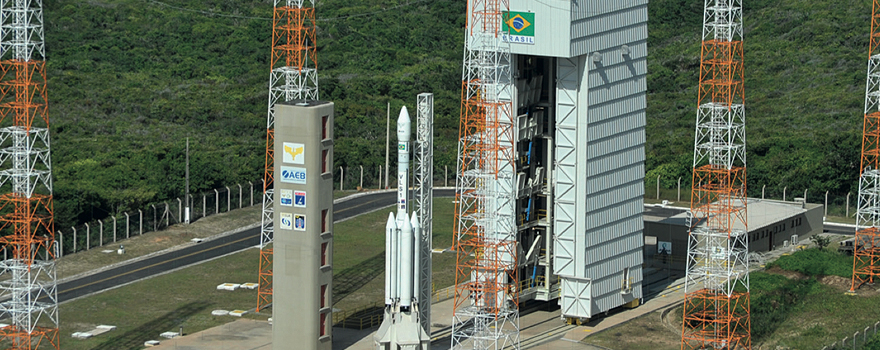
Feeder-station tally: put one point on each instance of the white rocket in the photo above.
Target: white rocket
(400, 328)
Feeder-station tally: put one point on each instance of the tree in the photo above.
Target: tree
(821, 241)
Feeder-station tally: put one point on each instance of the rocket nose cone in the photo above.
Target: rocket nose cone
(414, 221)
(390, 224)
(406, 225)
(403, 125)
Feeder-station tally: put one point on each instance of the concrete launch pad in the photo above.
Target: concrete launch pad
(540, 330)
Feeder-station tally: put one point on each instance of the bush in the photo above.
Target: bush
(816, 262)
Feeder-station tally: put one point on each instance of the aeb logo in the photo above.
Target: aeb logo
(293, 175)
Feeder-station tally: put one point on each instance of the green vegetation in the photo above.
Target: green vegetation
(130, 80)
(816, 262)
(805, 65)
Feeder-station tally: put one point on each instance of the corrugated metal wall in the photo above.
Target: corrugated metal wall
(600, 157)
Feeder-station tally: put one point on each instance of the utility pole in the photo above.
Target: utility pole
(387, 140)
(186, 193)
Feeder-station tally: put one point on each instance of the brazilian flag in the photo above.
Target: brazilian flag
(519, 23)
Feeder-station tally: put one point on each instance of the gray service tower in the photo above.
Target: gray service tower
(303, 241)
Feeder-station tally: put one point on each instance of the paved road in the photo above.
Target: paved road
(213, 248)
(839, 229)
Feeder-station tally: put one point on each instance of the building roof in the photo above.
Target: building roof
(761, 213)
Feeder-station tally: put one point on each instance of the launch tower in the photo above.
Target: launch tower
(576, 100)
(716, 302)
(29, 285)
(293, 75)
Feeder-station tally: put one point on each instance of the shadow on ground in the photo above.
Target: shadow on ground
(134, 339)
(353, 278)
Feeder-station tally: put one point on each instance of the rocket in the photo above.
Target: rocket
(402, 232)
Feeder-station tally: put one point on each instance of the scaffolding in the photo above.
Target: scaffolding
(716, 304)
(866, 255)
(424, 201)
(293, 75)
(29, 288)
(486, 311)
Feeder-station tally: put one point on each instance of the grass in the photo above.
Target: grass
(186, 297)
(804, 309)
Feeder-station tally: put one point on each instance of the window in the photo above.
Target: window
(324, 219)
(324, 160)
(324, 127)
(323, 321)
(324, 247)
(324, 295)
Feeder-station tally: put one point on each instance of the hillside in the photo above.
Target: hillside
(130, 80)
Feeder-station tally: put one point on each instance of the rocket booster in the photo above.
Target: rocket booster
(390, 266)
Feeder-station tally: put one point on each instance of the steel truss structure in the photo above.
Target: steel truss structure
(486, 314)
(293, 75)
(29, 287)
(716, 303)
(424, 201)
(866, 255)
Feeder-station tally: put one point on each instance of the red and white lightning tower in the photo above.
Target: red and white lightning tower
(716, 302)
(866, 256)
(486, 314)
(30, 288)
(293, 76)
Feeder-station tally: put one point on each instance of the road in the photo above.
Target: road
(342, 210)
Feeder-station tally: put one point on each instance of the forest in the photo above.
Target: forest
(130, 80)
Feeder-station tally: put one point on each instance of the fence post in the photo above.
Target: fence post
(239, 196)
(805, 195)
(60, 245)
(88, 236)
(127, 226)
(141, 223)
(445, 176)
(826, 203)
(252, 192)
(658, 187)
(679, 190)
(179, 210)
(855, 336)
(114, 228)
(847, 203)
(762, 191)
(865, 337)
(216, 202)
(228, 197)
(167, 214)
(155, 221)
(362, 176)
(101, 232)
(784, 189)
(341, 178)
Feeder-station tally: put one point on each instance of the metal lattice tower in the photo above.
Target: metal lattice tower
(716, 304)
(866, 255)
(293, 75)
(29, 287)
(424, 200)
(486, 314)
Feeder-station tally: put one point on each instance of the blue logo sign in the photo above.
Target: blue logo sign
(299, 222)
(299, 199)
(287, 198)
(293, 175)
